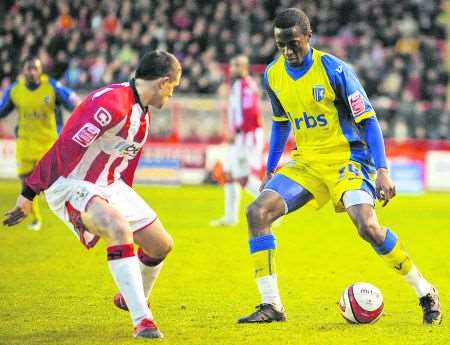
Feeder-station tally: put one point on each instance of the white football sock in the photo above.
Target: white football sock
(268, 288)
(127, 275)
(149, 276)
(232, 201)
(253, 185)
(418, 282)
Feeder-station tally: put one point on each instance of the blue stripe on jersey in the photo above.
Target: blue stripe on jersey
(298, 72)
(344, 81)
(359, 151)
(369, 187)
(277, 108)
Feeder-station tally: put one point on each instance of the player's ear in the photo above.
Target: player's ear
(163, 81)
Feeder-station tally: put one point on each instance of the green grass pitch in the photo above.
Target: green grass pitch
(53, 291)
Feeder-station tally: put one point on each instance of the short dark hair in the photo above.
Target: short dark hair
(30, 59)
(291, 17)
(157, 64)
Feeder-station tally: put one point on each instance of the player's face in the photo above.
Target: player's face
(235, 69)
(32, 71)
(168, 85)
(293, 44)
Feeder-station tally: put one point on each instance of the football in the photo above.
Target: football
(361, 303)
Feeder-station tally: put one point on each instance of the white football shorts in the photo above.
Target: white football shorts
(357, 197)
(245, 155)
(78, 193)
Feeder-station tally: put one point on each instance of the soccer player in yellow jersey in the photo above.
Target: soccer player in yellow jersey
(339, 157)
(36, 98)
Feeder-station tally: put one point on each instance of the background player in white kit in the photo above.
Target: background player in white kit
(87, 177)
(245, 153)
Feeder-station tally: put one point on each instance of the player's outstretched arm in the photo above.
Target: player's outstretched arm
(65, 96)
(18, 213)
(6, 105)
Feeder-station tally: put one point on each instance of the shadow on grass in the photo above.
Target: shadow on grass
(83, 334)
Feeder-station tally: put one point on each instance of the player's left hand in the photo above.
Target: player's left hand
(385, 188)
(17, 214)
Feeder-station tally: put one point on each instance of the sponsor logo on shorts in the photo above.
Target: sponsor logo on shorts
(356, 101)
(102, 116)
(86, 135)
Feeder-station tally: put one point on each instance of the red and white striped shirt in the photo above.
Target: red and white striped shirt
(100, 143)
(244, 115)
(244, 111)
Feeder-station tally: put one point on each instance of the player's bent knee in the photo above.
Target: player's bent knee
(262, 212)
(256, 212)
(158, 249)
(168, 246)
(148, 259)
(158, 253)
(372, 233)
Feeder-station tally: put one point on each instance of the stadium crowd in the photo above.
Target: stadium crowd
(396, 47)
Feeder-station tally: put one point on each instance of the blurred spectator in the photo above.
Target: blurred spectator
(65, 21)
(433, 118)
(72, 76)
(96, 71)
(394, 45)
(408, 114)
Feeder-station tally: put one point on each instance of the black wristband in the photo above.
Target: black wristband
(28, 193)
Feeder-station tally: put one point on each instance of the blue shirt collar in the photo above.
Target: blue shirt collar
(298, 72)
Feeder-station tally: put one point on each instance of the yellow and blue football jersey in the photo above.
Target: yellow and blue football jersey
(324, 102)
(37, 122)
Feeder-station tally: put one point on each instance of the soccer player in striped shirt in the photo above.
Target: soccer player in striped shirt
(339, 157)
(87, 179)
(244, 160)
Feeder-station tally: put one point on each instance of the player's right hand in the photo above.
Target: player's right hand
(265, 180)
(19, 213)
(385, 188)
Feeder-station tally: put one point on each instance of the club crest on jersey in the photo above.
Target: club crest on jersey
(47, 100)
(318, 92)
(86, 134)
(357, 104)
(102, 116)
